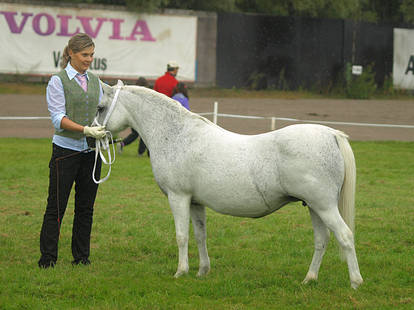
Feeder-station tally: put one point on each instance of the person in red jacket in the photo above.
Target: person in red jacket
(166, 83)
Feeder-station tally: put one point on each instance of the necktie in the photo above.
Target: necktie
(83, 82)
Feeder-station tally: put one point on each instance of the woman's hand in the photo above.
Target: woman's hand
(97, 132)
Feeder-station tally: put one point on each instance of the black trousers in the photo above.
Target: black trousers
(65, 168)
(132, 137)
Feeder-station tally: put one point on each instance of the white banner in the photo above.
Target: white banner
(127, 45)
(403, 68)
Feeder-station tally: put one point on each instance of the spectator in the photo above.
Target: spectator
(180, 94)
(134, 134)
(166, 83)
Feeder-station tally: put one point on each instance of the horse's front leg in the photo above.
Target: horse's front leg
(180, 206)
(198, 217)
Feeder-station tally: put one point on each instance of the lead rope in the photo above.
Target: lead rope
(104, 143)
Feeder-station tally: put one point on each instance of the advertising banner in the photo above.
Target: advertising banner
(403, 68)
(127, 45)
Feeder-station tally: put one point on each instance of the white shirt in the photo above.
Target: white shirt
(56, 105)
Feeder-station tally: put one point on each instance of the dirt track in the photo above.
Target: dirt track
(357, 111)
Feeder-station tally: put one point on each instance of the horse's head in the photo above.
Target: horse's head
(109, 113)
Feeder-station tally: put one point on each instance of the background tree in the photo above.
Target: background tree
(203, 5)
(406, 9)
(395, 11)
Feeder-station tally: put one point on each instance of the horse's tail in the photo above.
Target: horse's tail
(347, 198)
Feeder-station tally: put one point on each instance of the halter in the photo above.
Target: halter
(103, 144)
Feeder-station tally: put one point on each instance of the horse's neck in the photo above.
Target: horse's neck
(154, 118)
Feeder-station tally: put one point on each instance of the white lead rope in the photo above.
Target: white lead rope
(104, 143)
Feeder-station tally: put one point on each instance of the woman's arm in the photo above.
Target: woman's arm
(67, 124)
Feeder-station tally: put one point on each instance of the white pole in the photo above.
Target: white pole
(215, 112)
(273, 124)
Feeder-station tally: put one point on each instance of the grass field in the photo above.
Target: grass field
(256, 263)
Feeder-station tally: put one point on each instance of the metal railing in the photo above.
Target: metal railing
(273, 120)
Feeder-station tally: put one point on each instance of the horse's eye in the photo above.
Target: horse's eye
(100, 108)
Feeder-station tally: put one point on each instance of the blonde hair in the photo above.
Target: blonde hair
(76, 44)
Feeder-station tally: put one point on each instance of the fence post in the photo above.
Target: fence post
(273, 123)
(215, 112)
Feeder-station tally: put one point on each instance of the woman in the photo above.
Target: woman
(180, 94)
(72, 96)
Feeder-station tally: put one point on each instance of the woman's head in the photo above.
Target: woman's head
(79, 52)
(180, 88)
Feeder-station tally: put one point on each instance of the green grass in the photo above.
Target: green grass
(256, 263)
(22, 88)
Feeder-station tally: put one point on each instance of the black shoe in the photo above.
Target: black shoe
(46, 263)
(83, 261)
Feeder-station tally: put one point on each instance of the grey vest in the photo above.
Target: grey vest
(80, 105)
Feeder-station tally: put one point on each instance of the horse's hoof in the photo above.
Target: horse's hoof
(203, 271)
(310, 277)
(180, 273)
(356, 283)
(308, 281)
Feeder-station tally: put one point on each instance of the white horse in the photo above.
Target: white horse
(197, 163)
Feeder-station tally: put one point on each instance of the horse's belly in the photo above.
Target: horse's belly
(240, 190)
(251, 206)
(242, 211)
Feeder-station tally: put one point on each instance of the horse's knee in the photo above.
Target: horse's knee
(321, 239)
(321, 247)
(200, 237)
(182, 240)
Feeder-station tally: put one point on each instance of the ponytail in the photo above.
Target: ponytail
(65, 57)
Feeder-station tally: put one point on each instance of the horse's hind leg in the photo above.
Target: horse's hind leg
(345, 237)
(198, 217)
(321, 235)
(180, 206)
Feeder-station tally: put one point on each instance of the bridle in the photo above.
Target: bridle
(104, 143)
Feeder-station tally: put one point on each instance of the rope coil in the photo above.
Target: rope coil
(104, 143)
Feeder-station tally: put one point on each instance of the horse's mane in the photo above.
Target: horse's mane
(148, 94)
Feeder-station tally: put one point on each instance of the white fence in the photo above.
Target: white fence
(272, 119)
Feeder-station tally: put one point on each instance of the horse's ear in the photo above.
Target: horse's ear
(120, 83)
(105, 87)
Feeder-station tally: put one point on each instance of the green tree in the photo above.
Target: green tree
(278, 7)
(311, 8)
(407, 10)
(146, 5)
(328, 8)
(202, 5)
(395, 11)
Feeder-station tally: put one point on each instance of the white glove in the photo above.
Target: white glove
(97, 132)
